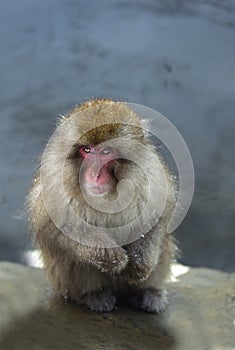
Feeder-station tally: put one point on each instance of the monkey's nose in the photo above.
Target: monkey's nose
(96, 169)
(96, 172)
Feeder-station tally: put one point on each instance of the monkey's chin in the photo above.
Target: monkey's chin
(97, 191)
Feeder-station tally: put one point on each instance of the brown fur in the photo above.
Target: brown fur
(93, 274)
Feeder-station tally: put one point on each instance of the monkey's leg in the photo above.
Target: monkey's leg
(147, 298)
(82, 273)
(93, 288)
(82, 283)
(102, 301)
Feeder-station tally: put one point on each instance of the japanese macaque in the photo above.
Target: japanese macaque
(99, 208)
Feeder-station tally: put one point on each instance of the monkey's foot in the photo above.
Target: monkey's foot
(100, 301)
(150, 300)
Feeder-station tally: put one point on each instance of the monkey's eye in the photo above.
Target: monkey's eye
(86, 149)
(106, 151)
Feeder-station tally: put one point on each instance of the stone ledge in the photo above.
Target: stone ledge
(201, 315)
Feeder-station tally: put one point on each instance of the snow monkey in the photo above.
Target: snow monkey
(99, 207)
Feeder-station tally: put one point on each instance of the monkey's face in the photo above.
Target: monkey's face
(97, 171)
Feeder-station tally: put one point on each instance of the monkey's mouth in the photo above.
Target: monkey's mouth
(97, 189)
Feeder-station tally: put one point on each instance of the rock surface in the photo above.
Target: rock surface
(201, 315)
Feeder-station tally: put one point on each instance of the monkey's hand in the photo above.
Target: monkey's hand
(110, 260)
(137, 270)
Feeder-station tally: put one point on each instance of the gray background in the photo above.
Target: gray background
(174, 56)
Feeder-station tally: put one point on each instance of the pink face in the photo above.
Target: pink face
(98, 165)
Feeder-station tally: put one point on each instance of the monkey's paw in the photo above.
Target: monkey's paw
(136, 272)
(115, 260)
(152, 300)
(100, 301)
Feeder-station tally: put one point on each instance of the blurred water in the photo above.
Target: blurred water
(174, 56)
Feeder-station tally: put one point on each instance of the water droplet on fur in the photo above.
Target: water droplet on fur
(65, 294)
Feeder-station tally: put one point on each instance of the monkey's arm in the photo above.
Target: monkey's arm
(55, 244)
(144, 254)
(109, 260)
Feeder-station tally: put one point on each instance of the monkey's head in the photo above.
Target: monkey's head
(106, 131)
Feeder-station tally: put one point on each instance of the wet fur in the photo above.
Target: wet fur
(94, 275)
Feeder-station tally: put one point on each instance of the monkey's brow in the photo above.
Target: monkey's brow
(80, 145)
